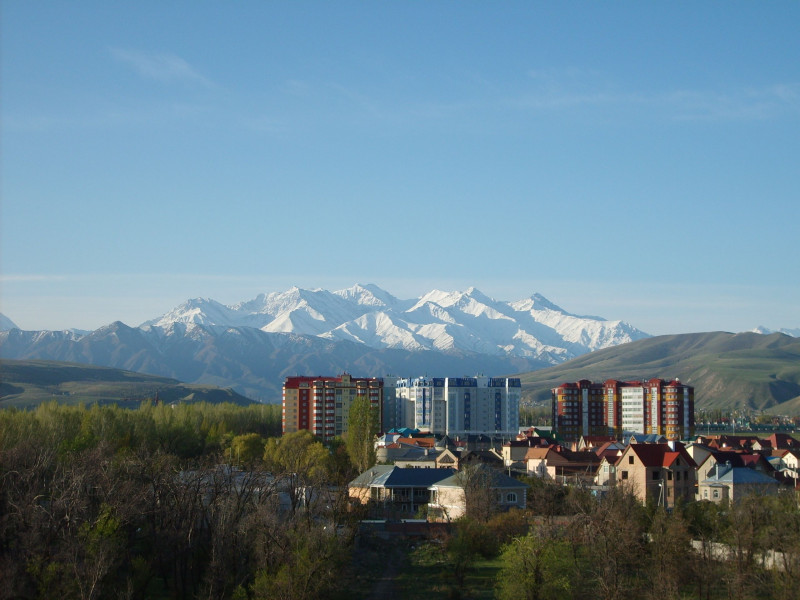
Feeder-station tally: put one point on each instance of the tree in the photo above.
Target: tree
(535, 567)
(462, 548)
(614, 527)
(301, 461)
(478, 482)
(671, 555)
(362, 427)
(247, 448)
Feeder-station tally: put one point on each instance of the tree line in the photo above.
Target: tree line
(190, 501)
(575, 545)
(210, 501)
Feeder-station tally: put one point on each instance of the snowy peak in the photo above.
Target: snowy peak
(367, 295)
(456, 321)
(200, 311)
(534, 303)
(793, 332)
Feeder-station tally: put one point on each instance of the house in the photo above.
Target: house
(736, 459)
(418, 458)
(730, 484)
(698, 451)
(560, 464)
(589, 442)
(610, 449)
(405, 448)
(789, 463)
(658, 473)
(490, 458)
(395, 492)
(514, 451)
(646, 438)
(783, 441)
(448, 458)
(449, 496)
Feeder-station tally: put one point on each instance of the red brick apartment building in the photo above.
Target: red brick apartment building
(322, 404)
(614, 407)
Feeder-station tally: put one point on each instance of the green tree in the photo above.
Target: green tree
(247, 448)
(301, 461)
(535, 567)
(362, 427)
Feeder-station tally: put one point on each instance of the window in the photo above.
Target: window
(656, 475)
(716, 493)
(624, 474)
(630, 460)
(511, 498)
(669, 476)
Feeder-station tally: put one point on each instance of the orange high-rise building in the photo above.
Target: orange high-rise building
(322, 404)
(656, 406)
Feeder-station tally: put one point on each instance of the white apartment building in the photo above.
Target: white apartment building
(459, 405)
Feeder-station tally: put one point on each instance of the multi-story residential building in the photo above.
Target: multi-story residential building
(322, 404)
(656, 407)
(459, 406)
(579, 409)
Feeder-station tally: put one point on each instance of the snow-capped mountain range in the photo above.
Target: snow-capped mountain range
(252, 346)
(461, 321)
(784, 330)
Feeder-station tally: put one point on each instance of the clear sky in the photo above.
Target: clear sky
(633, 160)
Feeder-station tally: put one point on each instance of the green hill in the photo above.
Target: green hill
(26, 383)
(728, 371)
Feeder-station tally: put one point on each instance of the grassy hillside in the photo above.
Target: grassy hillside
(728, 371)
(26, 383)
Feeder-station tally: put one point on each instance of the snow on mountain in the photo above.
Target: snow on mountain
(200, 311)
(458, 321)
(6, 324)
(788, 331)
(368, 295)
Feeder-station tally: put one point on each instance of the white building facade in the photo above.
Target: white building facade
(458, 406)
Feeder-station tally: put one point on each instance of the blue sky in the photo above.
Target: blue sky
(634, 160)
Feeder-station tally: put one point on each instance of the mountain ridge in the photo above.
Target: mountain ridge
(747, 371)
(438, 320)
(27, 383)
(253, 345)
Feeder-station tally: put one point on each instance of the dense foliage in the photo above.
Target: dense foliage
(578, 546)
(208, 501)
(103, 502)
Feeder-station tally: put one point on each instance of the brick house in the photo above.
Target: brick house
(659, 473)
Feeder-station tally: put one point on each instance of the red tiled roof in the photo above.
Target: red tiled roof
(783, 440)
(661, 455)
(537, 452)
(421, 442)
